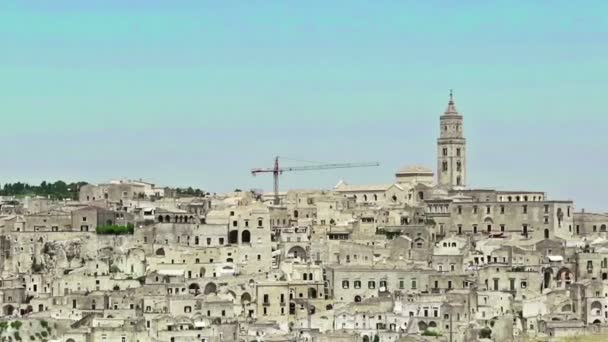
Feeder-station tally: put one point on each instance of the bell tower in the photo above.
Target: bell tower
(451, 149)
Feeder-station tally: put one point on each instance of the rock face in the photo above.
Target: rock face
(61, 253)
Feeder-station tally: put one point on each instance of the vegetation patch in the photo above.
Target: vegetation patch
(431, 333)
(115, 229)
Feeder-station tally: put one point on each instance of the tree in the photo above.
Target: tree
(55, 190)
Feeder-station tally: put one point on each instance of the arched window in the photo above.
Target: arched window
(160, 252)
(245, 297)
(161, 219)
(194, 289)
(210, 288)
(596, 308)
(246, 237)
(295, 214)
(312, 293)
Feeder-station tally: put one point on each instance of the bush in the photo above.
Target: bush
(115, 229)
(114, 269)
(44, 333)
(16, 325)
(32, 337)
(430, 333)
(44, 323)
(17, 336)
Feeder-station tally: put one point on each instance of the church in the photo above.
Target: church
(459, 210)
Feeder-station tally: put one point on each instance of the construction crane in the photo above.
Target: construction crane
(278, 170)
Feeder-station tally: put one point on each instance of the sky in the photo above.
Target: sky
(196, 93)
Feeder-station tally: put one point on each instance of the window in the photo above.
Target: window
(474, 209)
(414, 284)
(474, 229)
(502, 227)
(524, 284)
(459, 210)
(525, 209)
(371, 284)
(260, 222)
(459, 229)
(445, 166)
(357, 284)
(345, 284)
(458, 152)
(488, 210)
(458, 166)
(401, 284)
(546, 208)
(445, 151)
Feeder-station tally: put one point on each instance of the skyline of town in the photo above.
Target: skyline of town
(198, 93)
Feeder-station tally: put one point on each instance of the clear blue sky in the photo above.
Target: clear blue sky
(197, 93)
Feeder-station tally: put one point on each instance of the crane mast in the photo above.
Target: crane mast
(277, 170)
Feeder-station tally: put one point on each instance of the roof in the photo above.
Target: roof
(344, 187)
(171, 272)
(414, 169)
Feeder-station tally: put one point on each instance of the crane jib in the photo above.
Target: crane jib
(277, 170)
